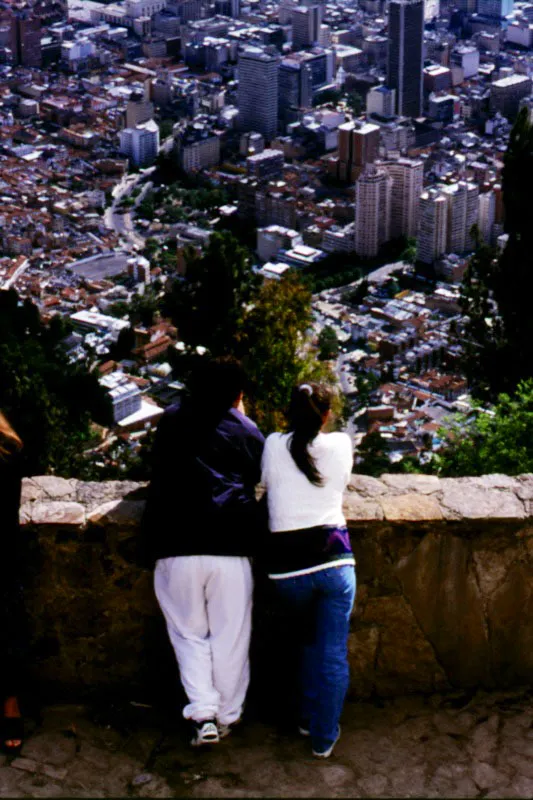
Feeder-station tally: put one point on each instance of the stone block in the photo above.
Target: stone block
(408, 781)
(57, 488)
(524, 488)
(410, 508)
(356, 509)
(362, 649)
(510, 612)
(492, 567)
(441, 587)
(94, 493)
(57, 513)
(31, 491)
(452, 780)
(483, 744)
(405, 660)
(463, 498)
(366, 486)
(486, 777)
(405, 484)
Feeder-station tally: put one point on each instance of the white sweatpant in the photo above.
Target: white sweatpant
(207, 604)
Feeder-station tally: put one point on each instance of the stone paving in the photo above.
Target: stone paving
(439, 746)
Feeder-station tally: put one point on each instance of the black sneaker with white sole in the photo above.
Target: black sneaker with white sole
(205, 732)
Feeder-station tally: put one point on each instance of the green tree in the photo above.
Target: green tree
(357, 295)
(208, 305)
(497, 290)
(410, 252)
(354, 102)
(328, 343)
(327, 96)
(373, 454)
(272, 346)
(50, 402)
(501, 441)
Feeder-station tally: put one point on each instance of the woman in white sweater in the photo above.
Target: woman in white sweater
(305, 472)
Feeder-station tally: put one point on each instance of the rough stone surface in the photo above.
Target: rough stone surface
(410, 508)
(57, 513)
(444, 568)
(477, 502)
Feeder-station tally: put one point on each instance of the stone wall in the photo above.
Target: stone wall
(444, 597)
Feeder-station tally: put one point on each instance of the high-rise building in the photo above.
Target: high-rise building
(140, 144)
(506, 94)
(495, 8)
(301, 75)
(463, 212)
(228, 8)
(407, 183)
(306, 22)
(432, 228)
(405, 54)
(25, 38)
(358, 146)
(258, 90)
(372, 210)
(381, 100)
(138, 110)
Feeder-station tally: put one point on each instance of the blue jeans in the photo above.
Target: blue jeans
(329, 596)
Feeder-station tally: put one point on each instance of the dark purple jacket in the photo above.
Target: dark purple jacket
(201, 499)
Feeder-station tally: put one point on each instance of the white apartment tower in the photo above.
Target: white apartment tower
(140, 144)
(432, 228)
(463, 212)
(258, 91)
(372, 210)
(407, 183)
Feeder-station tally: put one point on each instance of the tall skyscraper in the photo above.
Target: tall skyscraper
(432, 227)
(300, 77)
(405, 54)
(372, 210)
(306, 22)
(463, 212)
(25, 40)
(407, 183)
(358, 146)
(258, 90)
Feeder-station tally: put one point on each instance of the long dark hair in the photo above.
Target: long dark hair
(309, 403)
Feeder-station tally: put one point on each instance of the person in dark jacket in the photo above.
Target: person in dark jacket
(201, 525)
(12, 618)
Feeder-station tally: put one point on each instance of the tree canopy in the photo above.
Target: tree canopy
(207, 306)
(497, 288)
(49, 401)
(501, 441)
(328, 343)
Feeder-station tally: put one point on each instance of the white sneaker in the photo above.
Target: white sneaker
(205, 732)
(329, 751)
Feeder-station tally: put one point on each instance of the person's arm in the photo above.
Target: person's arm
(253, 446)
(346, 455)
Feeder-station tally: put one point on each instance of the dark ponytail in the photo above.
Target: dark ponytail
(309, 403)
